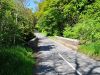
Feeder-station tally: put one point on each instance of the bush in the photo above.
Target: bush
(68, 32)
(16, 61)
(87, 31)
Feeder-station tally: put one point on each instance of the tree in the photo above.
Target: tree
(16, 22)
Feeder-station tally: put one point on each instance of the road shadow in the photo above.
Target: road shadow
(77, 66)
(43, 69)
(45, 48)
(89, 72)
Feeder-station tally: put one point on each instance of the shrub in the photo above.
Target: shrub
(87, 31)
(68, 32)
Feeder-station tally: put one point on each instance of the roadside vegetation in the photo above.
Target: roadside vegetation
(72, 19)
(16, 29)
(16, 60)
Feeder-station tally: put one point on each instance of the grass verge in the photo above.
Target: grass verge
(92, 50)
(16, 60)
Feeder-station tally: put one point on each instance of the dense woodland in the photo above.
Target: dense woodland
(78, 19)
(16, 29)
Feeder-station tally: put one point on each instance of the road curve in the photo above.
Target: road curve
(56, 59)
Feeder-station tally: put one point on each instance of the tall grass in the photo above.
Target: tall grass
(16, 60)
(92, 49)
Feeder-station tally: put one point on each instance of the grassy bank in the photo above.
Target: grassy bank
(92, 50)
(16, 60)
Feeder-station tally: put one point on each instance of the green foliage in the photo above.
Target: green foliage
(16, 61)
(49, 21)
(53, 16)
(88, 31)
(69, 32)
(16, 28)
(15, 21)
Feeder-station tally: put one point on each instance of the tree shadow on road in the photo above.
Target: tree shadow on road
(89, 72)
(77, 66)
(43, 69)
(45, 48)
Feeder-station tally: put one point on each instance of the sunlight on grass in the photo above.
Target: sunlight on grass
(92, 49)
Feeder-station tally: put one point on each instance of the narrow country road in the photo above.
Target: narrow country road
(56, 59)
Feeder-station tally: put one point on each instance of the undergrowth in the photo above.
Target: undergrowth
(16, 60)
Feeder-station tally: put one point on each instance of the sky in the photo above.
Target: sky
(32, 5)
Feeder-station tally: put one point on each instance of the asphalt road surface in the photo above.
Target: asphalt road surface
(56, 59)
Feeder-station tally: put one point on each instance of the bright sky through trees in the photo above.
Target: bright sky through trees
(33, 5)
